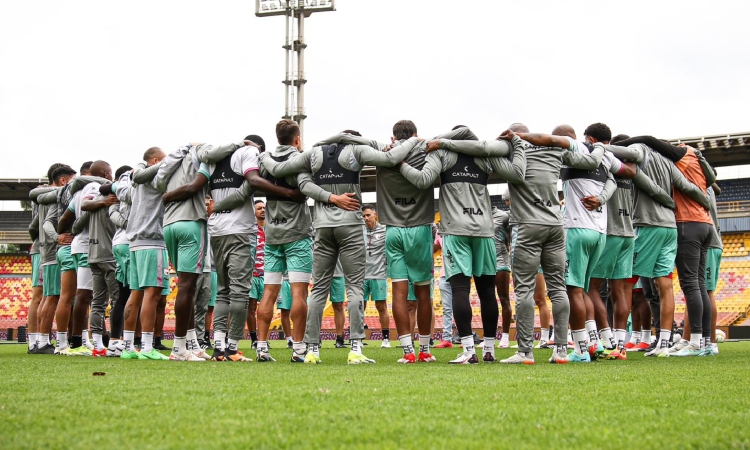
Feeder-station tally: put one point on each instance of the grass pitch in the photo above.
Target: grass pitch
(56, 402)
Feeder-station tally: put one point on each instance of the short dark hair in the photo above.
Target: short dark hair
(369, 206)
(51, 171)
(62, 172)
(404, 129)
(619, 137)
(258, 140)
(286, 131)
(86, 166)
(151, 153)
(599, 131)
(353, 133)
(259, 201)
(121, 171)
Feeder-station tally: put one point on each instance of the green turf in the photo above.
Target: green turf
(55, 402)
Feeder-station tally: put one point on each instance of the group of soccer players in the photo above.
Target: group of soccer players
(633, 207)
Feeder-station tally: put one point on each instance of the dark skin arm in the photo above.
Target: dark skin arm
(261, 184)
(66, 222)
(186, 191)
(106, 189)
(628, 171)
(93, 205)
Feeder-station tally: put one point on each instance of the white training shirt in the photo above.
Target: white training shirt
(239, 220)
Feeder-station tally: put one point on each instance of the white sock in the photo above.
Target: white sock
(468, 343)
(620, 338)
(262, 346)
(32, 340)
(424, 343)
(608, 338)
(180, 345)
(695, 340)
(635, 338)
(147, 342)
(580, 338)
(219, 340)
(570, 336)
(85, 337)
(192, 341)
(591, 331)
(43, 339)
(62, 339)
(545, 334)
(489, 346)
(129, 336)
(315, 348)
(233, 343)
(299, 347)
(356, 345)
(646, 336)
(289, 339)
(98, 344)
(664, 338)
(406, 343)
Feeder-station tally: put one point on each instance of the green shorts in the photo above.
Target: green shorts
(81, 260)
(214, 288)
(36, 272)
(285, 297)
(376, 290)
(468, 255)
(256, 290)
(583, 247)
(149, 267)
(186, 245)
(616, 262)
(122, 259)
(654, 251)
(713, 261)
(65, 260)
(408, 253)
(337, 290)
(51, 280)
(294, 256)
(411, 296)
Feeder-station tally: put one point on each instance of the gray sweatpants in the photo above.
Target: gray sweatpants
(534, 245)
(105, 288)
(202, 298)
(234, 256)
(348, 245)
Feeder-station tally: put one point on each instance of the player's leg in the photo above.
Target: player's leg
(67, 296)
(577, 252)
(540, 301)
(270, 295)
(457, 251)
(202, 297)
(713, 263)
(446, 298)
(325, 255)
(252, 311)
(399, 274)
(502, 286)
(553, 257)
(131, 314)
(98, 308)
(418, 248)
(352, 253)
(337, 298)
(37, 293)
(385, 321)
(46, 311)
(484, 270)
(240, 263)
(299, 263)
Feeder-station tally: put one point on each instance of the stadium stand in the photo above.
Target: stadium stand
(15, 264)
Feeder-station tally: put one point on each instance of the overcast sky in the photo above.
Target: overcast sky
(90, 80)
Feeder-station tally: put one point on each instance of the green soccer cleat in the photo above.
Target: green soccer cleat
(358, 358)
(129, 355)
(312, 358)
(153, 355)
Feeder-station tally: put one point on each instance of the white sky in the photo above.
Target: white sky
(90, 80)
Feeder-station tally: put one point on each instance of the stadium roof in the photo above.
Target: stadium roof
(18, 188)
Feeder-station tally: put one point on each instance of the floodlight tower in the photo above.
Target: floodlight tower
(294, 80)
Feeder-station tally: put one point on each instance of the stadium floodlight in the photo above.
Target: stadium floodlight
(294, 81)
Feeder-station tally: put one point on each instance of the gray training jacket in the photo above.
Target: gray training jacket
(47, 243)
(336, 168)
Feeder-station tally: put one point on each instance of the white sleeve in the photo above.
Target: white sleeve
(248, 159)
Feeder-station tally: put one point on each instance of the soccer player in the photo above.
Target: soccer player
(376, 288)
(234, 236)
(466, 226)
(36, 277)
(149, 264)
(256, 292)
(338, 233)
(185, 237)
(501, 224)
(446, 298)
(655, 246)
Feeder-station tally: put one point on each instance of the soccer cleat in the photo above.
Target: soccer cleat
(32, 350)
(289, 344)
(519, 358)
(358, 358)
(576, 358)
(63, 351)
(261, 356)
(80, 351)
(340, 344)
(298, 357)
(159, 346)
(426, 357)
(465, 358)
(236, 357)
(444, 344)
(489, 358)
(641, 347)
(680, 345)
(385, 344)
(503, 344)
(689, 350)
(312, 358)
(714, 349)
(596, 351)
(558, 358)
(128, 355)
(408, 358)
(99, 353)
(153, 355)
(543, 344)
(48, 349)
(185, 356)
(115, 353)
(662, 352)
(629, 346)
(616, 354)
